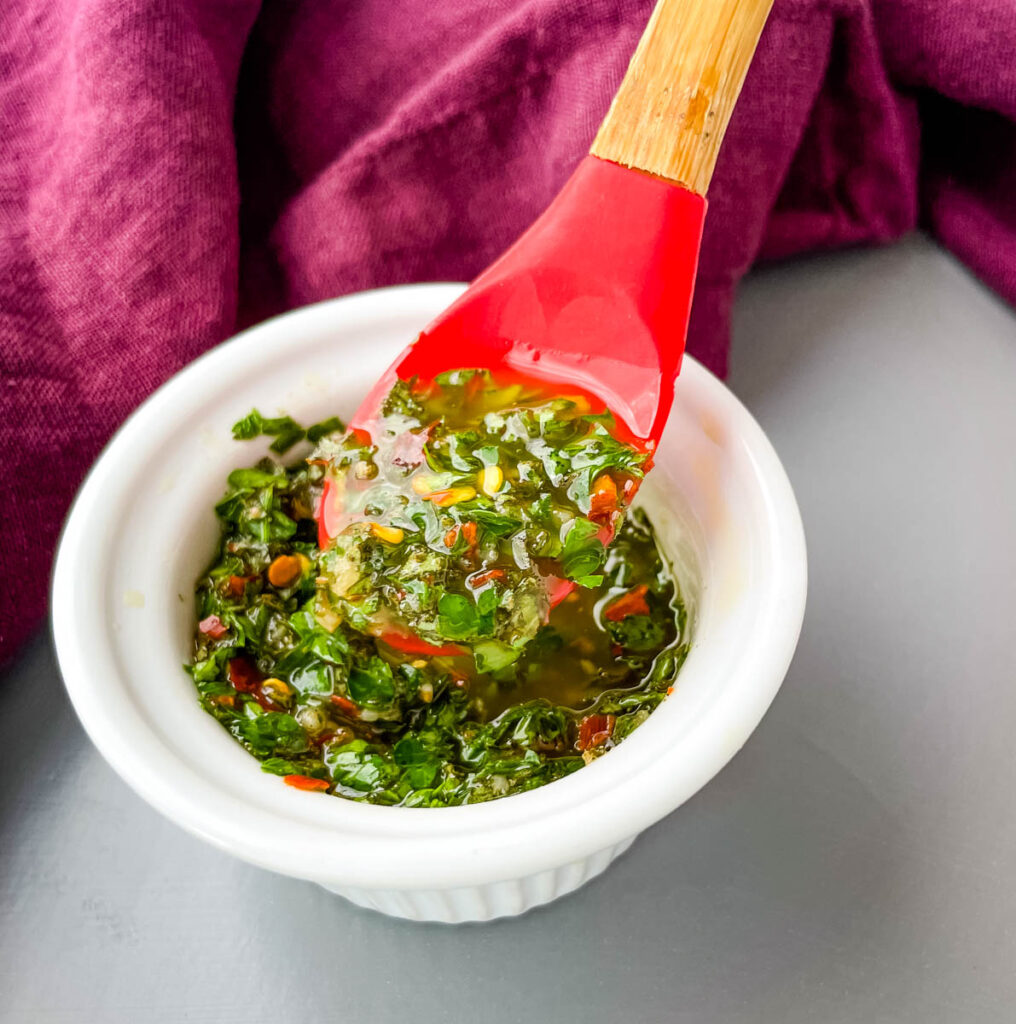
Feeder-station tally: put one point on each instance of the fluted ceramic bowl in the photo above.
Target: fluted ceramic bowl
(142, 530)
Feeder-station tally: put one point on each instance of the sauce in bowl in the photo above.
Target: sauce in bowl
(445, 606)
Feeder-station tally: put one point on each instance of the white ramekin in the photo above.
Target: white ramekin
(142, 529)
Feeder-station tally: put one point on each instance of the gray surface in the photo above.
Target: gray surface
(854, 863)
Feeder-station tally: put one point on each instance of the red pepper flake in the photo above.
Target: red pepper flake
(305, 782)
(594, 731)
(245, 676)
(629, 489)
(235, 585)
(632, 603)
(213, 626)
(362, 436)
(480, 579)
(346, 706)
(409, 643)
(606, 534)
(558, 589)
(603, 499)
(670, 690)
(468, 530)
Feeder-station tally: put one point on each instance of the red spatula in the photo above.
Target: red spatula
(596, 294)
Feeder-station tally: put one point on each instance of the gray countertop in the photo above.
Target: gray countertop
(855, 861)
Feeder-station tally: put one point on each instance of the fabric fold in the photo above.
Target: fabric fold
(172, 171)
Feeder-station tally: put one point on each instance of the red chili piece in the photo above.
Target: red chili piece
(632, 603)
(245, 676)
(305, 782)
(346, 706)
(594, 731)
(480, 579)
(236, 584)
(409, 644)
(213, 626)
(606, 534)
(558, 589)
(468, 531)
(603, 500)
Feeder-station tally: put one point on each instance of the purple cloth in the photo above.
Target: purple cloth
(170, 171)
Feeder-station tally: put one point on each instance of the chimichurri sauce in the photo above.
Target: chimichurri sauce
(446, 607)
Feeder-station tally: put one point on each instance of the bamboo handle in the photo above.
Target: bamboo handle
(671, 112)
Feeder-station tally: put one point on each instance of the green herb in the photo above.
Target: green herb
(267, 733)
(373, 685)
(583, 551)
(480, 492)
(637, 633)
(359, 766)
(281, 766)
(319, 430)
(286, 431)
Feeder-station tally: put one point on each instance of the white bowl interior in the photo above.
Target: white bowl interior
(143, 529)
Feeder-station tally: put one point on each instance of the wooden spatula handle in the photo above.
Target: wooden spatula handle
(671, 112)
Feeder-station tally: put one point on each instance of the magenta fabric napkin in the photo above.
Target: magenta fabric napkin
(170, 171)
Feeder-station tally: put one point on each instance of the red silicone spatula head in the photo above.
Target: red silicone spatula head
(595, 296)
(596, 293)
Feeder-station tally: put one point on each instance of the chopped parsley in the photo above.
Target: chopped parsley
(474, 614)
